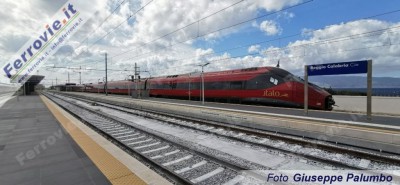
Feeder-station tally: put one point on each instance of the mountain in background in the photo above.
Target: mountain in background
(354, 81)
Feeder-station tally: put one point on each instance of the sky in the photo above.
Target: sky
(167, 37)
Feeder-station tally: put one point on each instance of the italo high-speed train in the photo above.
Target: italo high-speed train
(259, 85)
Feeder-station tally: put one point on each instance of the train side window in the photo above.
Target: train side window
(194, 85)
(261, 81)
(252, 84)
(158, 86)
(166, 86)
(172, 84)
(236, 85)
(181, 85)
(213, 85)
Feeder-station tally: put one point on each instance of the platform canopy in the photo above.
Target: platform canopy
(31, 83)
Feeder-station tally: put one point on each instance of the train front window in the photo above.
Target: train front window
(301, 80)
(297, 79)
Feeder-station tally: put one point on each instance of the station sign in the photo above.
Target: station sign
(354, 67)
(338, 68)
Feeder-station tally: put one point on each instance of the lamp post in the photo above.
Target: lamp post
(104, 84)
(98, 86)
(129, 86)
(202, 80)
(189, 87)
(106, 81)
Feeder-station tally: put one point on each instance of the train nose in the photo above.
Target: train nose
(329, 102)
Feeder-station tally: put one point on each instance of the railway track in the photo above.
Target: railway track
(345, 156)
(332, 157)
(179, 163)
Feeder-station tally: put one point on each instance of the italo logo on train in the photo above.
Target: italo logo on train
(274, 93)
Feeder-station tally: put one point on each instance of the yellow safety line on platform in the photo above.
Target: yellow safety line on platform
(113, 169)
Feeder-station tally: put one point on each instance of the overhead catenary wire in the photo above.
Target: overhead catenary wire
(392, 29)
(126, 20)
(325, 40)
(87, 69)
(208, 33)
(298, 34)
(385, 13)
(220, 29)
(115, 27)
(212, 14)
(253, 54)
(97, 28)
(289, 57)
(112, 13)
(238, 56)
(183, 27)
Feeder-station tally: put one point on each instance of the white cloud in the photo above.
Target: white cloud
(335, 44)
(201, 53)
(286, 15)
(254, 48)
(156, 20)
(273, 5)
(270, 28)
(163, 16)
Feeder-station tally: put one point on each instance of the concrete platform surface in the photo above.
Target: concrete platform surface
(380, 105)
(35, 149)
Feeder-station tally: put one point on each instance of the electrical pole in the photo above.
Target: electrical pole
(306, 90)
(136, 77)
(202, 81)
(202, 85)
(105, 86)
(68, 76)
(189, 87)
(80, 75)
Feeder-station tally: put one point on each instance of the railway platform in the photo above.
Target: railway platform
(42, 144)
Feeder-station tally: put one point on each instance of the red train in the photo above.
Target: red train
(260, 85)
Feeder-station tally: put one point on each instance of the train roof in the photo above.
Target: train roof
(245, 73)
(249, 72)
